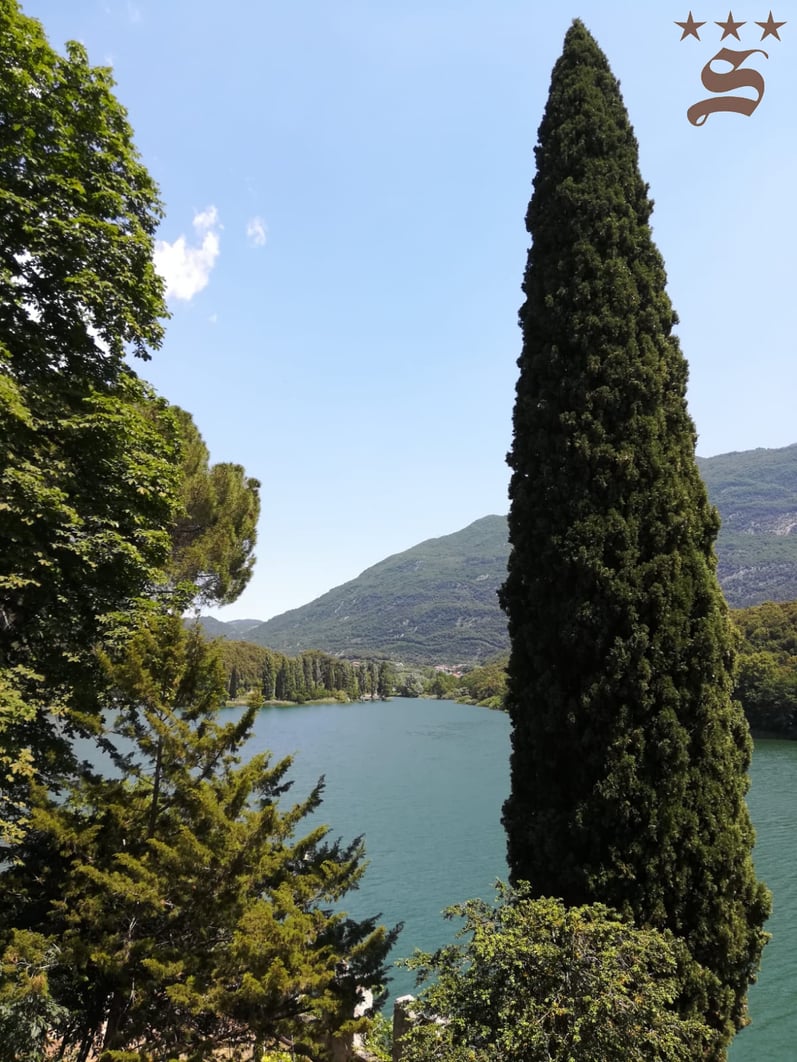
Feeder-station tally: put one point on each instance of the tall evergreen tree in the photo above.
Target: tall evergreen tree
(629, 757)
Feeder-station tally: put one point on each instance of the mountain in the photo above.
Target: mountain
(236, 630)
(436, 602)
(756, 494)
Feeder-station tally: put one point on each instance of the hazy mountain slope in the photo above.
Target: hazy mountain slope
(756, 494)
(233, 629)
(436, 602)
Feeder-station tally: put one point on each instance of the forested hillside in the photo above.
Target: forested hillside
(437, 603)
(756, 494)
(433, 603)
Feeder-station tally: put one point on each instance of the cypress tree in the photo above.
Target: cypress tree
(629, 756)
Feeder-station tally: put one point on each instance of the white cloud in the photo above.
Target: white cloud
(256, 232)
(206, 219)
(186, 269)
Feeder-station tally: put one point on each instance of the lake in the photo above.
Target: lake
(424, 781)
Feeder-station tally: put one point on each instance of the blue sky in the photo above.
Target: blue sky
(345, 185)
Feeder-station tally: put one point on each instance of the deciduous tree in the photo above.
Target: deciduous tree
(386, 680)
(106, 493)
(629, 756)
(88, 488)
(540, 982)
(78, 214)
(87, 496)
(766, 680)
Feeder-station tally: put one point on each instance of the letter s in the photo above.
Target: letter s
(724, 82)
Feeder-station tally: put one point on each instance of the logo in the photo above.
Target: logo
(735, 76)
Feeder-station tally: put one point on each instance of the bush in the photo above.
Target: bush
(540, 982)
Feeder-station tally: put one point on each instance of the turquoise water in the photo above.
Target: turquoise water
(773, 1000)
(425, 780)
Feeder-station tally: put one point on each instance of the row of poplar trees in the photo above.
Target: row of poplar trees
(256, 671)
(629, 756)
(159, 896)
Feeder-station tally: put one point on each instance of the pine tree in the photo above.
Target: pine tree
(629, 761)
(186, 912)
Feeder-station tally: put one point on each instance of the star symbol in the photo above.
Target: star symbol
(690, 27)
(729, 27)
(770, 27)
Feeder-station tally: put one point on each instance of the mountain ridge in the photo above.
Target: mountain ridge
(436, 603)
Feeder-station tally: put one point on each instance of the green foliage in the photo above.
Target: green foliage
(539, 982)
(486, 685)
(29, 1017)
(766, 680)
(411, 684)
(246, 661)
(167, 905)
(310, 676)
(441, 684)
(213, 537)
(378, 1041)
(770, 628)
(768, 693)
(78, 213)
(255, 700)
(98, 513)
(88, 487)
(87, 494)
(187, 913)
(629, 756)
(386, 680)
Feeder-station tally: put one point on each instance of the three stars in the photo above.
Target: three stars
(730, 28)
